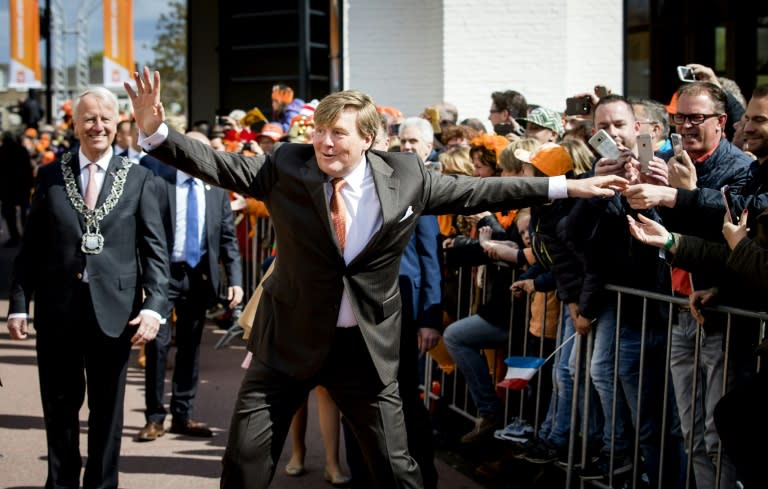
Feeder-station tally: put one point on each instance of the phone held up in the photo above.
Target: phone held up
(725, 191)
(644, 151)
(578, 106)
(685, 74)
(605, 145)
(677, 143)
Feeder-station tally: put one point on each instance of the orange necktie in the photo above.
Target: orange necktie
(338, 211)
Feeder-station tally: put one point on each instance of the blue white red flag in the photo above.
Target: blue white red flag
(520, 370)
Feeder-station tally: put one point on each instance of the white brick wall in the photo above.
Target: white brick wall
(413, 53)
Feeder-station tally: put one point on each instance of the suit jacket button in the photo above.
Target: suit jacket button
(204, 277)
(79, 276)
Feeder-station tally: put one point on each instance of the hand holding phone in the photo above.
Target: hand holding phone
(677, 143)
(725, 191)
(686, 74)
(644, 151)
(578, 105)
(605, 145)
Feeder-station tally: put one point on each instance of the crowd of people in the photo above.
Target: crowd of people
(539, 217)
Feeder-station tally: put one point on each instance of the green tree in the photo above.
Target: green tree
(170, 50)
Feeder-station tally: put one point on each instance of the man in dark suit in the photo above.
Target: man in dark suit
(93, 246)
(330, 311)
(194, 287)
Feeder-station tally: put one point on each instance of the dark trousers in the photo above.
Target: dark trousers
(189, 292)
(68, 353)
(418, 424)
(9, 214)
(268, 400)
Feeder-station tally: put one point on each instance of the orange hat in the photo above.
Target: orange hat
(389, 111)
(550, 159)
(272, 130)
(282, 93)
(672, 107)
(490, 142)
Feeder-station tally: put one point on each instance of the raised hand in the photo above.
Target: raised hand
(682, 172)
(147, 108)
(648, 231)
(734, 233)
(646, 195)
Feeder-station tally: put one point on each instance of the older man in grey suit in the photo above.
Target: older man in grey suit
(331, 309)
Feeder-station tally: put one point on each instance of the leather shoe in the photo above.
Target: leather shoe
(191, 428)
(338, 480)
(150, 432)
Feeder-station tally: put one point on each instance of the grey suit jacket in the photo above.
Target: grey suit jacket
(49, 264)
(296, 318)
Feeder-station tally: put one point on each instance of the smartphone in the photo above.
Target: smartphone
(578, 106)
(644, 151)
(725, 191)
(677, 143)
(685, 74)
(605, 145)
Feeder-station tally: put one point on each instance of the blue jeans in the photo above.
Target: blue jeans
(602, 373)
(464, 339)
(696, 417)
(557, 425)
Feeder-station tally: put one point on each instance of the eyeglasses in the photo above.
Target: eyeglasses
(494, 111)
(694, 119)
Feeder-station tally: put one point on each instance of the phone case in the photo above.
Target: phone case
(644, 151)
(677, 143)
(604, 145)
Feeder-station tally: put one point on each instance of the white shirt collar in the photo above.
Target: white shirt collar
(181, 178)
(355, 179)
(103, 162)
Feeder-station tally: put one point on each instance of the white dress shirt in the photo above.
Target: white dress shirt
(180, 230)
(363, 220)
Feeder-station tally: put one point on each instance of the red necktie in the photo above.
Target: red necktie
(338, 211)
(91, 192)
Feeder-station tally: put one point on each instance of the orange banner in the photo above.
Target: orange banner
(25, 44)
(118, 42)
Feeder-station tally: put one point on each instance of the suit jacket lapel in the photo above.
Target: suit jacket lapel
(315, 180)
(74, 165)
(388, 190)
(109, 179)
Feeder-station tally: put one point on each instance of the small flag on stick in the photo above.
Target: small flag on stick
(520, 370)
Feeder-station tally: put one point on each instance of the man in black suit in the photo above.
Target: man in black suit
(330, 311)
(199, 236)
(93, 247)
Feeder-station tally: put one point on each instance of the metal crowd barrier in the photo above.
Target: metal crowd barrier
(456, 394)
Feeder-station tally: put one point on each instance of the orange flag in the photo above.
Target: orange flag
(118, 42)
(25, 44)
